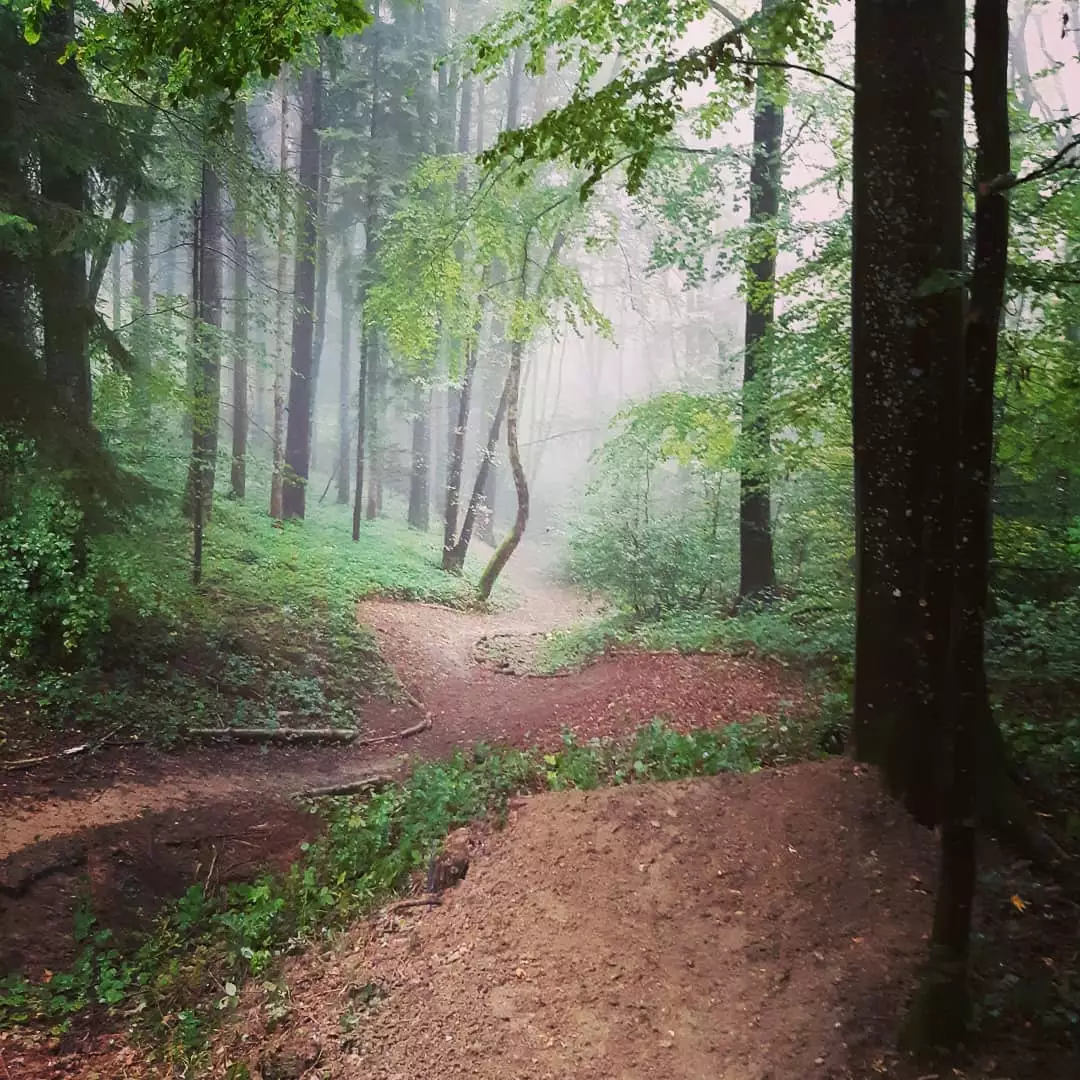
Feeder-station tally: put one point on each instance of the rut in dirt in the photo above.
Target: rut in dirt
(128, 829)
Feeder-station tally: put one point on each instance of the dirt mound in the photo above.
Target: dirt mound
(755, 928)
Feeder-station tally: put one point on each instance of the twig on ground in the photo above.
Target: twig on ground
(71, 751)
(213, 864)
(405, 733)
(349, 787)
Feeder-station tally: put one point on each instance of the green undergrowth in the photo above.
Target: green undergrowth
(799, 632)
(188, 972)
(269, 638)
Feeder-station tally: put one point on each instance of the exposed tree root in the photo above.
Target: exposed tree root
(416, 901)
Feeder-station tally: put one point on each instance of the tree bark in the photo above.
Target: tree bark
(481, 486)
(419, 482)
(345, 289)
(278, 472)
(240, 406)
(322, 280)
(206, 395)
(374, 408)
(521, 486)
(456, 450)
(140, 311)
(361, 429)
(298, 435)
(907, 345)
(62, 275)
(757, 577)
(944, 1007)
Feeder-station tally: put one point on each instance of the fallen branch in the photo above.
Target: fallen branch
(350, 787)
(280, 734)
(416, 901)
(71, 751)
(405, 733)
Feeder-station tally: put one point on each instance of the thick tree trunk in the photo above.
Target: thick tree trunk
(521, 486)
(281, 281)
(757, 575)
(206, 396)
(62, 276)
(298, 436)
(907, 345)
(419, 482)
(238, 475)
(943, 1009)
(346, 286)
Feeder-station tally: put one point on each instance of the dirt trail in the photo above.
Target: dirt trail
(143, 822)
(713, 928)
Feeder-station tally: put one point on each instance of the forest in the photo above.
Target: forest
(539, 539)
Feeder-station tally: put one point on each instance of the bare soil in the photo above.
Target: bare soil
(767, 927)
(130, 826)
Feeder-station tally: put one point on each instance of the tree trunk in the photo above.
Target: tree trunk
(374, 409)
(456, 450)
(345, 289)
(140, 311)
(757, 577)
(240, 318)
(206, 395)
(361, 430)
(944, 1006)
(907, 345)
(483, 483)
(322, 280)
(521, 519)
(419, 482)
(458, 399)
(62, 275)
(491, 482)
(298, 436)
(278, 473)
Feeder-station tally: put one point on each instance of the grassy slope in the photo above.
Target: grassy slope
(269, 637)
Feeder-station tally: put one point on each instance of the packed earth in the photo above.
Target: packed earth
(712, 927)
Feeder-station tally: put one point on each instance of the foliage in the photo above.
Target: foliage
(200, 51)
(625, 119)
(443, 243)
(654, 537)
(273, 630)
(49, 603)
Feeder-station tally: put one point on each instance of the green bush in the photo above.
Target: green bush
(50, 607)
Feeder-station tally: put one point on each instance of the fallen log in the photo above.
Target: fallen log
(281, 734)
(349, 787)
